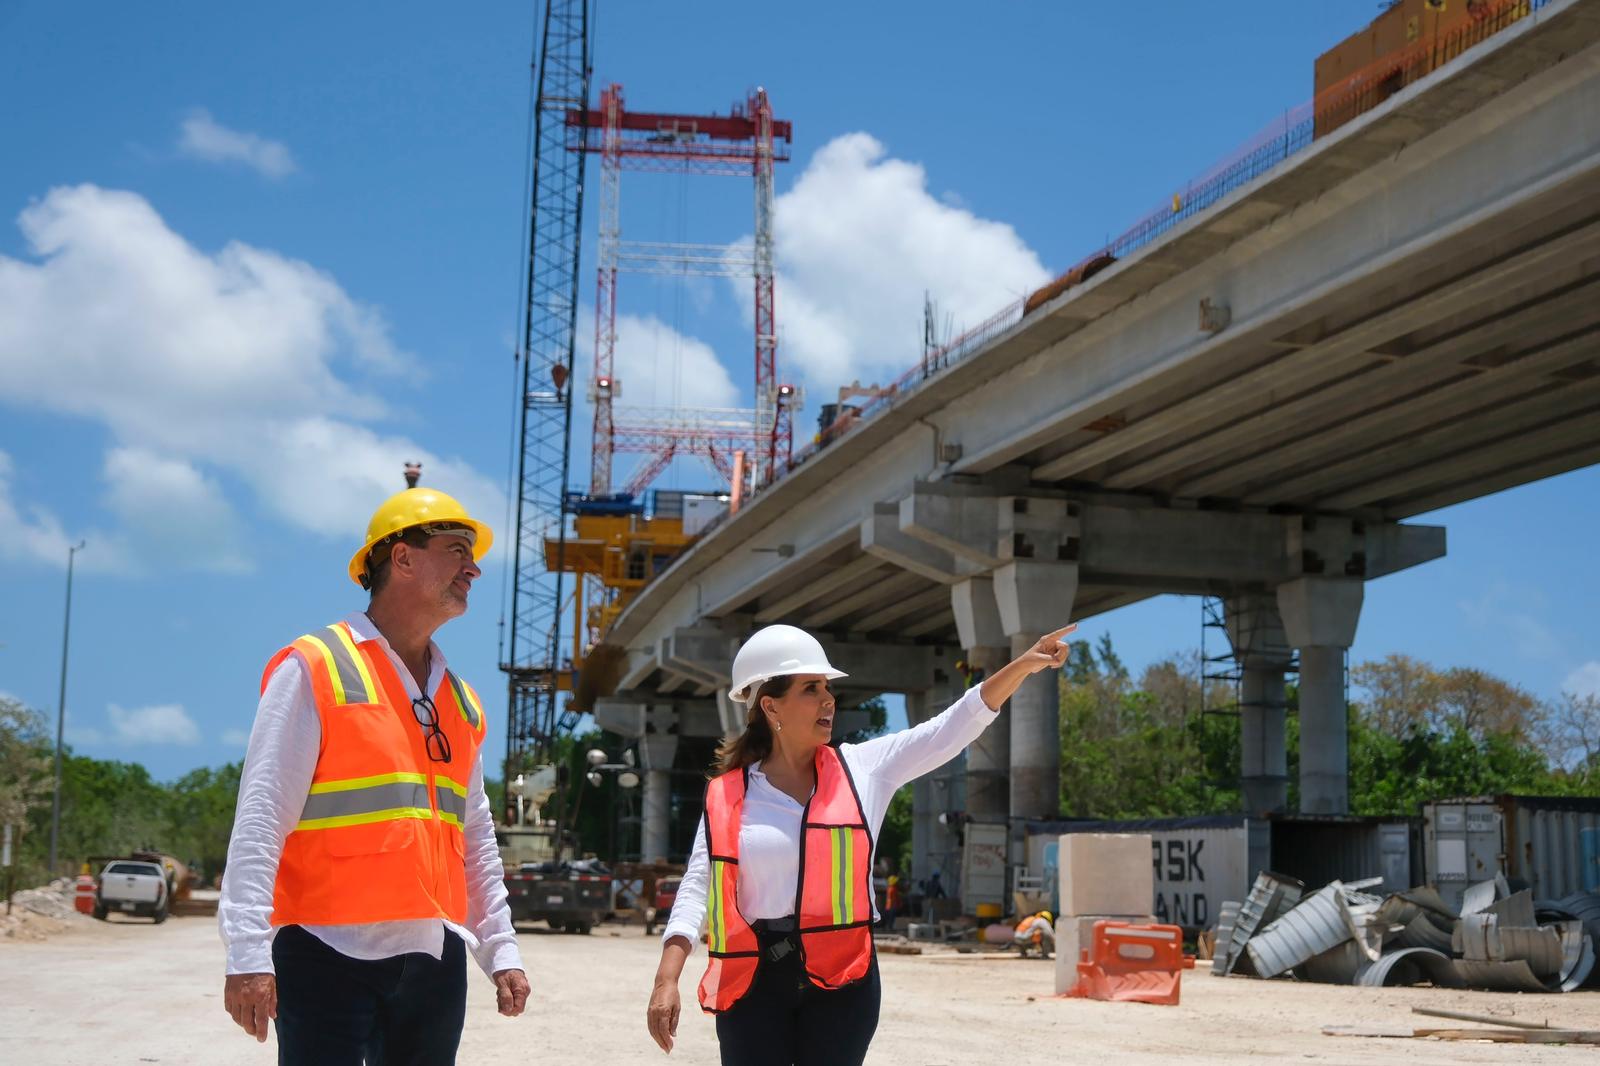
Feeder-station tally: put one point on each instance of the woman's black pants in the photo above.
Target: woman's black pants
(785, 1020)
(337, 1011)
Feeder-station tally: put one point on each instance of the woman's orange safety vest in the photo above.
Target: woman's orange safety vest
(381, 835)
(833, 900)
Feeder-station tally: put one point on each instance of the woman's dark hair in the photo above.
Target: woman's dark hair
(755, 743)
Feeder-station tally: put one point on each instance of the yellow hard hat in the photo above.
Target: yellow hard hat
(1046, 916)
(410, 508)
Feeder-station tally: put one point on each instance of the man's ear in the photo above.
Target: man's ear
(397, 562)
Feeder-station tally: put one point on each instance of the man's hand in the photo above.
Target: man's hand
(252, 999)
(511, 991)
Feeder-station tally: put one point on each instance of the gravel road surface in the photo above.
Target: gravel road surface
(126, 991)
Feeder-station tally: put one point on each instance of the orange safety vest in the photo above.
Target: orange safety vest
(834, 894)
(380, 837)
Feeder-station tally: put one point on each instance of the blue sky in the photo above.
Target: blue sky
(253, 258)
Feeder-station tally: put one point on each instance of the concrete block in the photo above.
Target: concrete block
(977, 614)
(1106, 873)
(1074, 933)
(1320, 612)
(1035, 596)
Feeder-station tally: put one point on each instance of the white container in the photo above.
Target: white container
(983, 866)
(1551, 845)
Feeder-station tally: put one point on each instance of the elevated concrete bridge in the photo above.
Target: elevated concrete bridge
(1404, 316)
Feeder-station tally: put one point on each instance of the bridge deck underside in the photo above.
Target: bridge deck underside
(1464, 370)
(1434, 382)
(1417, 324)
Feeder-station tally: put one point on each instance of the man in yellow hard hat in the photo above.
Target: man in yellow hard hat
(363, 866)
(1036, 931)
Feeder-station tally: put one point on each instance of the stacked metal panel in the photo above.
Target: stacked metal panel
(1501, 940)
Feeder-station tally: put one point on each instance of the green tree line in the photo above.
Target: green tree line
(108, 807)
(1167, 743)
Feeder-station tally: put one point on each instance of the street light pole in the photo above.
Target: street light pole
(61, 710)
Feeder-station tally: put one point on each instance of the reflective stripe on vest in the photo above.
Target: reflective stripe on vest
(347, 669)
(363, 800)
(452, 800)
(833, 890)
(466, 700)
(842, 853)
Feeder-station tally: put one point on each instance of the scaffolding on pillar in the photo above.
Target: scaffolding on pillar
(746, 142)
(1220, 672)
(1222, 694)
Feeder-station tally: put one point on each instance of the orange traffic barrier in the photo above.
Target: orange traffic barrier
(1131, 963)
(83, 894)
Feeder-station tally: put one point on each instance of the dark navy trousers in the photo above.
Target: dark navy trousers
(337, 1011)
(785, 1020)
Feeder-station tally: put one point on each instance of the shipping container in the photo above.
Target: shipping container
(1199, 862)
(700, 510)
(1548, 844)
(983, 866)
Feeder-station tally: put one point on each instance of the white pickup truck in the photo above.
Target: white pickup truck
(131, 887)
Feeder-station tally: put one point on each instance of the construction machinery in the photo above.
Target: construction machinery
(612, 543)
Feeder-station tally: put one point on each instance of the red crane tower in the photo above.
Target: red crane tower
(746, 142)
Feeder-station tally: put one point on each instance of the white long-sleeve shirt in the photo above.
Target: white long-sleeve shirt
(769, 829)
(278, 766)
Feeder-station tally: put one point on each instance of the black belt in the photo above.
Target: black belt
(777, 936)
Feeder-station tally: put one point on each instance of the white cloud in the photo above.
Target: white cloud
(236, 738)
(859, 240)
(81, 735)
(660, 367)
(165, 723)
(1584, 681)
(242, 363)
(1509, 610)
(174, 512)
(33, 534)
(203, 137)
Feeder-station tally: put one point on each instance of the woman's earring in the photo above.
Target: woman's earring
(780, 727)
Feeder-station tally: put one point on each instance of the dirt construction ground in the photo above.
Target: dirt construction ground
(127, 991)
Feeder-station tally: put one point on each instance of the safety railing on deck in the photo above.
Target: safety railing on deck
(1267, 150)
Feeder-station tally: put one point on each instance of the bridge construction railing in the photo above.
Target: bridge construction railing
(1281, 140)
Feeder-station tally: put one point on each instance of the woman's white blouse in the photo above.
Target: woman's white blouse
(769, 833)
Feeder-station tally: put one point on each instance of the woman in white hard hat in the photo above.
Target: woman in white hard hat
(782, 862)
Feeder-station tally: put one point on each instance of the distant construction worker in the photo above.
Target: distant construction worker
(894, 901)
(363, 864)
(1038, 932)
(782, 863)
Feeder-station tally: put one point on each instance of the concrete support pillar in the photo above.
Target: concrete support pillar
(1035, 715)
(1324, 732)
(989, 757)
(1263, 653)
(656, 754)
(1034, 597)
(1263, 749)
(1319, 617)
(933, 844)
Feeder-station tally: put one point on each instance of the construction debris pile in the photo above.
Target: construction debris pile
(1502, 940)
(38, 912)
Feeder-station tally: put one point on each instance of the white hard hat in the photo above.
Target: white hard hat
(773, 652)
